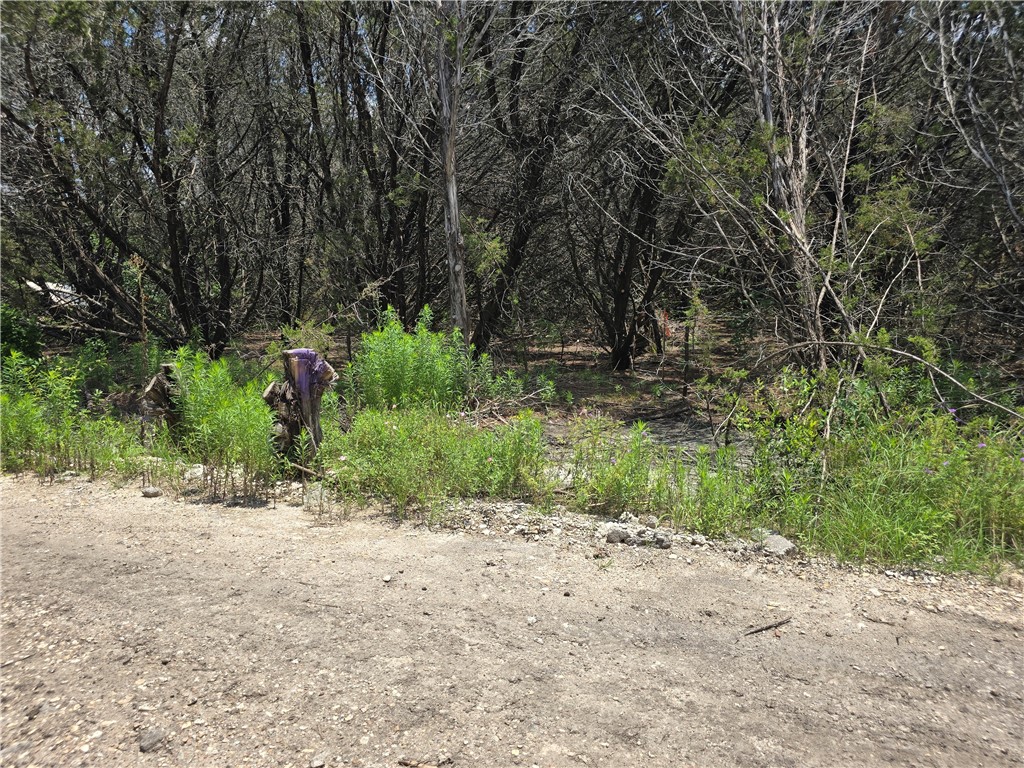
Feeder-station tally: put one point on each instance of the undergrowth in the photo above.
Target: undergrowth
(422, 368)
(866, 467)
(225, 425)
(412, 457)
(45, 427)
(845, 470)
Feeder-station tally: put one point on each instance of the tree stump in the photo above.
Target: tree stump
(296, 400)
(158, 397)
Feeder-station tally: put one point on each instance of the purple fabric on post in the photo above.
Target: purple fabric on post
(310, 378)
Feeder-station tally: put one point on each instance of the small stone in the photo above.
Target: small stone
(779, 546)
(196, 473)
(663, 540)
(531, 620)
(150, 739)
(387, 579)
(318, 762)
(151, 492)
(651, 521)
(616, 535)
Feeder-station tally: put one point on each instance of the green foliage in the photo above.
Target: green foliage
(395, 368)
(612, 475)
(615, 474)
(96, 364)
(903, 485)
(907, 484)
(920, 488)
(485, 251)
(21, 430)
(304, 335)
(18, 333)
(225, 426)
(45, 429)
(713, 497)
(412, 456)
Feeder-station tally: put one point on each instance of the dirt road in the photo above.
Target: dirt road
(155, 632)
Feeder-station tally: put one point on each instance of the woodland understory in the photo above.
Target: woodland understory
(797, 222)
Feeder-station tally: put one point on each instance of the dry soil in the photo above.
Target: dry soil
(160, 632)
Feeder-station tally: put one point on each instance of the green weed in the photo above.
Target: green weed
(225, 426)
(395, 368)
(411, 457)
(894, 480)
(611, 474)
(714, 496)
(44, 427)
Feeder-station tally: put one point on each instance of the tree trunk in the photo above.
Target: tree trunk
(296, 401)
(449, 81)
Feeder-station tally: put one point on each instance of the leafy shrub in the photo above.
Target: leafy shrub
(18, 333)
(395, 368)
(95, 362)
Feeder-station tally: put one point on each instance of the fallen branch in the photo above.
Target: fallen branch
(15, 661)
(765, 628)
(303, 469)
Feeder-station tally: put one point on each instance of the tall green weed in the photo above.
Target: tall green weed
(612, 474)
(395, 368)
(43, 426)
(225, 426)
(894, 479)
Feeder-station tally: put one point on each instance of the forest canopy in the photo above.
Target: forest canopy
(816, 173)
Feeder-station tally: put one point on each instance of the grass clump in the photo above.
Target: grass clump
(924, 491)
(713, 496)
(611, 474)
(411, 457)
(395, 368)
(617, 472)
(910, 485)
(907, 483)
